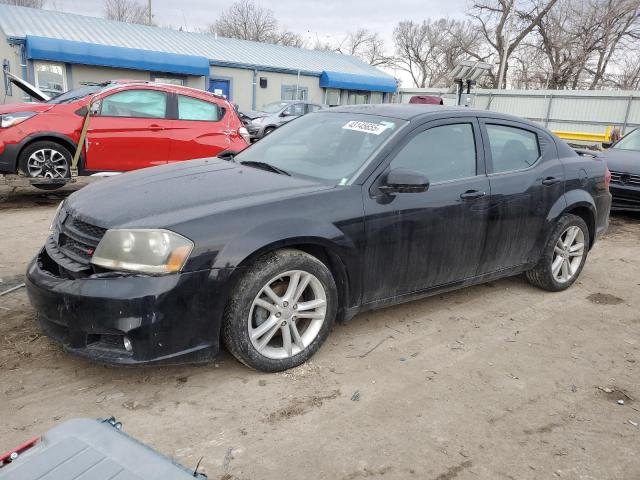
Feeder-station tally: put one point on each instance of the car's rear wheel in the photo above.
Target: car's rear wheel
(280, 311)
(564, 255)
(47, 160)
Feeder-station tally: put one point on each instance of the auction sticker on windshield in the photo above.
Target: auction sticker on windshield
(365, 127)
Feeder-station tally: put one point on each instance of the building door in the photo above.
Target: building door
(220, 87)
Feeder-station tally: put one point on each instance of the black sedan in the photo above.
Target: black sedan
(623, 159)
(338, 212)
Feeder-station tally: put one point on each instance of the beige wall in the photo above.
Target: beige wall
(11, 53)
(242, 86)
(275, 81)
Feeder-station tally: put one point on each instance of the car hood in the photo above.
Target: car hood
(252, 114)
(168, 195)
(626, 161)
(25, 107)
(26, 87)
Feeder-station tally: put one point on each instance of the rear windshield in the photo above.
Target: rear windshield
(76, 94)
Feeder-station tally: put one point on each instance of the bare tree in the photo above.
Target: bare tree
(428, 51)
(505, 24)
(25, 3)
(249, 21)
(619, 21)
(366, 45)
(627, 76)
(128, 11)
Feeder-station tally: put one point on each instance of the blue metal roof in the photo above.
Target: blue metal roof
(42, 48)
(350, 81)
(22, 22)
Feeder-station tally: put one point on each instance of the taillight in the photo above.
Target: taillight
(607, 177)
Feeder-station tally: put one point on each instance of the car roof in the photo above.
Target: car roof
(407, 111)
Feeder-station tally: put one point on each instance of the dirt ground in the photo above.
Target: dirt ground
(497, 381)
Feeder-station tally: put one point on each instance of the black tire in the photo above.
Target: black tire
(45, 145)
(541, 275)
(235, 330)
(268, 130)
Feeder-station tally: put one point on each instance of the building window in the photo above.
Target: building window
(293, 92)
(50, 77)
(376, 97)
(169, 80)
(332, 96)
(358, 98)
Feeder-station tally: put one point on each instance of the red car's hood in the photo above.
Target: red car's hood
(25, 107)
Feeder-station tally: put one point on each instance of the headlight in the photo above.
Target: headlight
(54, 221)
(146, 251)
(10, 119)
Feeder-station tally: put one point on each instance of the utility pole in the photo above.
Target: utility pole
(149, 12)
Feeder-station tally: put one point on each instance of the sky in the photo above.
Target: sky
(324, 19)
(328, 21)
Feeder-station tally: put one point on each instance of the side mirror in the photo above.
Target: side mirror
(606, 145)
(402, 180)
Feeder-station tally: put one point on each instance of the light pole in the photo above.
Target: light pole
(149, 12)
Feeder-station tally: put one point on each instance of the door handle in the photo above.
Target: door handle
(472, 194)
(155, 128)
(550, 181)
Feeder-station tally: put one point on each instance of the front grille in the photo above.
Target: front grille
(622, 178)
(75, 245)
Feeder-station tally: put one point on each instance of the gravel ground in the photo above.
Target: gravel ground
(496, 381)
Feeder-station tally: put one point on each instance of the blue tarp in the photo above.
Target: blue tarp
(350, 81)
(56, 50)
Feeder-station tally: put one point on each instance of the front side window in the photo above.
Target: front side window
(190, 108)
(135, 103)
(51, 78)
(512, 148)
(326, 146)
(446, 152)
(296, 109)
(631, 141)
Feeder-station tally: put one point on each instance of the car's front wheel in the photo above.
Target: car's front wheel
(564, 255)
(280, 311)
(47, 160)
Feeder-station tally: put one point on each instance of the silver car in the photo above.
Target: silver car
(272, 115)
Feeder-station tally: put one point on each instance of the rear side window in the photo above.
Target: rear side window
(446, 152)
(512, 148)
(190, 108)
(135, 103)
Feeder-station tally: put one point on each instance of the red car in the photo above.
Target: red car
(132, 125)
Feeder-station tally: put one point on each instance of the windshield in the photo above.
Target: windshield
(631, 141)
(274, 107)
(329, 147)
(76, 94)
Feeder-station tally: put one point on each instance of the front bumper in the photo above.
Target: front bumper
(167, 319)
(625, 197)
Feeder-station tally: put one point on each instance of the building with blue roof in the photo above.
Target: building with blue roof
(59, 51)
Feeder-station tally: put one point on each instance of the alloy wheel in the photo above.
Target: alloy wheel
(47, 163)
(567, 254)
(287, 314)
